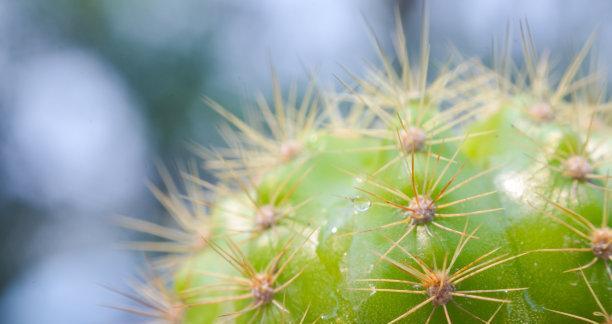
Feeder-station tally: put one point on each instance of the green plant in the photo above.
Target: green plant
(479, 196)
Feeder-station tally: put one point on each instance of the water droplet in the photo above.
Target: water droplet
(533, 305)
(334, 230)
(361, 204)
(372, 289)
(359, 180)
(333, 313)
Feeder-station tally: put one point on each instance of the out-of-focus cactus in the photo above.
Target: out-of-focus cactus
(479, 195)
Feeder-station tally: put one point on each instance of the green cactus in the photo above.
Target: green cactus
(479, 196)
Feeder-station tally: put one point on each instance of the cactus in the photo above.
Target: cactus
(480, 195)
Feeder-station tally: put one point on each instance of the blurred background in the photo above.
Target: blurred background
(93, 92)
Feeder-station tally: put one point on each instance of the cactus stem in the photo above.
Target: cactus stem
(572, 161)
(414, 136)
(233, 246)
(264, 212)
(440, 285)
(601, 312)
(599, 239)
(285, 129)
(260, 287)
(421, 209)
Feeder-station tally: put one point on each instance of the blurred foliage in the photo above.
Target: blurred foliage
(168, 80)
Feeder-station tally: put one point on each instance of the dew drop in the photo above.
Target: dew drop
(532, 304)
(334, 230)
(333, 314)
(372, 289)
(361, 204)
(326, 317)
(359, 180)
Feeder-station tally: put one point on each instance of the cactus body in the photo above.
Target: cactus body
(401, 201)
